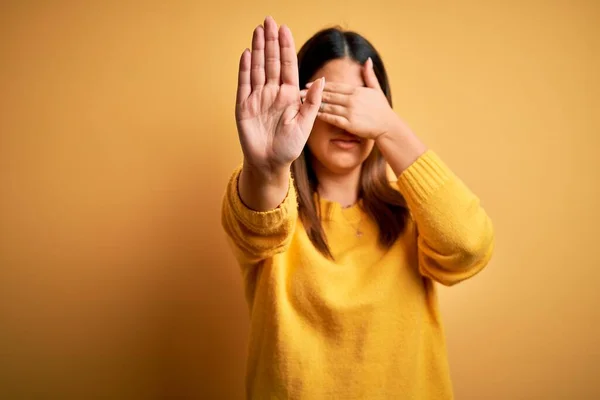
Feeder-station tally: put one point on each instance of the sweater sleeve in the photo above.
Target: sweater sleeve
(257, 235)
(455, 237)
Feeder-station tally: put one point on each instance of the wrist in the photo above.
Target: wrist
(262, 176)
(263, 189)
(400, 146)
(395, 128)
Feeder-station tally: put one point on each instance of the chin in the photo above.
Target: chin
(339, 160)
(342, 163)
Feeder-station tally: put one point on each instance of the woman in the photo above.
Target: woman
(338, 262)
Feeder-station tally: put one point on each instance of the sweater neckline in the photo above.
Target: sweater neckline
(333, 211)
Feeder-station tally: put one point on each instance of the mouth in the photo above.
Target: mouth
(346, 143)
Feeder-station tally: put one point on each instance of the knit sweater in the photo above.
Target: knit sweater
(367, 325)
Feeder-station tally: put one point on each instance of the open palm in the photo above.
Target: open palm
(273, 125)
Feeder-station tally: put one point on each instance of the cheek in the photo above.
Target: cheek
(319, 137)
(322, 129)
(368, 147)
(365, 150)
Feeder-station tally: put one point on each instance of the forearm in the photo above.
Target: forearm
(257, 235)
(262, 190)
(455, 234)
(400, 146)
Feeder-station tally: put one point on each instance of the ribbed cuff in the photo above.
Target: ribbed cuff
(424, 178)
(261, 221)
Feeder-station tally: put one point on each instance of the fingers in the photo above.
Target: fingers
(336, 120)
(244, 82)
(310, 107)
(336, 87)
(272, 60)
(289, 59)
(333, 109)
(331, 98)
(332, 105)
(369, 75)
(257, 75)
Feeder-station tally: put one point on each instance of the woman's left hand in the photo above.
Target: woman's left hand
(362, 111)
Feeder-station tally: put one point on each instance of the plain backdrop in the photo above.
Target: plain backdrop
(117, 137)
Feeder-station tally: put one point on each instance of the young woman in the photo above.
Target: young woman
(339, 263)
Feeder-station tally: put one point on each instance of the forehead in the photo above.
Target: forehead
(343, 70)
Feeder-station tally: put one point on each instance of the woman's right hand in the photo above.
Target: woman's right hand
(273, 124)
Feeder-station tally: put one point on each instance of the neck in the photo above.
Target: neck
(340, 188)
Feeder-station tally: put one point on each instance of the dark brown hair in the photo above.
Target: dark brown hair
(384, 204)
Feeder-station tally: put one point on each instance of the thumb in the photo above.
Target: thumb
(310, 107)
(369, 75)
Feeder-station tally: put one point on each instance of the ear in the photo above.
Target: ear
(369, 75)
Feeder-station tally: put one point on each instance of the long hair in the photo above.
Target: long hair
(380, 200)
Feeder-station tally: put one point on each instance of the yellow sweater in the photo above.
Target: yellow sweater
(366, 326)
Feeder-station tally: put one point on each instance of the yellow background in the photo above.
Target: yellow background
(117, 138)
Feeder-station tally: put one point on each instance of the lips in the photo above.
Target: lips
(346, 143)
(347, 138)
